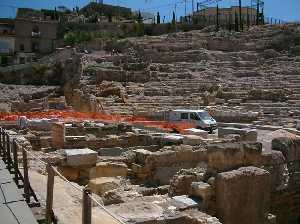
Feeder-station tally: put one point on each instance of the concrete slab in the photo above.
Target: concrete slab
(6, 216)
(10, 193)
(5, 177)
(81, 157)
(2, 165)
(22, 212)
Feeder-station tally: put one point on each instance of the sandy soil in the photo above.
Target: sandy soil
(67, 201)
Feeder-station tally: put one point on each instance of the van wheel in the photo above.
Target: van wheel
(210, 131)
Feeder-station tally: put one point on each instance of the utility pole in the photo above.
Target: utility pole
(240, 10)
(248, 18)
(257, 13)
(217, 17)
(193, 6)
(175, 17)
(185, 8)
(251, 14)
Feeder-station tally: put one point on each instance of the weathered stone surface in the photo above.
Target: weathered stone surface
(203, 190)
(108, 169)
(224, 157)
(81, 157)
(198, 132)
(192, 140)
(290, 147)
(181, 183)
(71, 173)
(243, 194)
(245, 133)
(101, 185)
(58, 135)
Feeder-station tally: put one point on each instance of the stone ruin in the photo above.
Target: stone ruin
(248, 170)
(146, 176)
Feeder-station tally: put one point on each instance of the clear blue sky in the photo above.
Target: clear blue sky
(288, 10)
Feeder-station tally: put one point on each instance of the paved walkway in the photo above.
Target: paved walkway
(13, 208)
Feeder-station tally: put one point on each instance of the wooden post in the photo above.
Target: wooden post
(8, 153)
(4, 147)
(15, 161)
(49, 200)
(26, 178)
(86, 207)
(1, 142)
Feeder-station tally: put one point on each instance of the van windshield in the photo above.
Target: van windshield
(204, 115)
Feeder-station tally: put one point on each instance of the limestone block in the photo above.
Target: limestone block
(195, 131)
(182, 202)
(71, 173)
(141, 155)
(117, 151)
(245, 133)
(109, 169)
(224, 157)
(81, 157)
(290, 147)
(173, 139)
(103, 184)
(203, 190)
(192, 140)
(58, 135)
(243, 194)
(298, 125)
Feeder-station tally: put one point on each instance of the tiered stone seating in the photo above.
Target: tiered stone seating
(183, 67)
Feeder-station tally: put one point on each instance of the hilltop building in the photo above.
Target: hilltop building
(226, 14)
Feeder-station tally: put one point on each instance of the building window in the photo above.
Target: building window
(22, 48)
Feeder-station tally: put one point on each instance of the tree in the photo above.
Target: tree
(70, 38)
(158, 18)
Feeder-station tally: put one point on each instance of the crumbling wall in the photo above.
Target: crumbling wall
(58, 135)
(285, 202)
(157, 168)
(243, 194)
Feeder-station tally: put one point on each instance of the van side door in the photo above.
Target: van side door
(194, 118)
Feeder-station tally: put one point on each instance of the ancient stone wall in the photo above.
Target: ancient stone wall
(286, 200)
(58, 135)
(243, 194)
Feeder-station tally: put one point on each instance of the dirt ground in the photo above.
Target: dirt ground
(67, 201)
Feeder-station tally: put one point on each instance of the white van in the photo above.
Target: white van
(199, 117)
